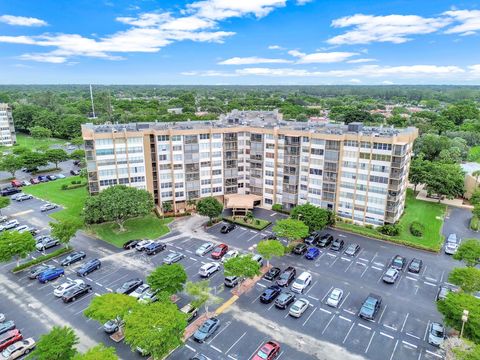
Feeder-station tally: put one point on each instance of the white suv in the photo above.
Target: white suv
(302, 282)
(208, 269)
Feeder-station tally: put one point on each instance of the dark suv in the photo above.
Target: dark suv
(337, 244)
(325, 240)
(300, 249)
(287, 276)
(312, 239)
(88, 267)
(370, 307)
(9, 191)
(155, 247)
(398, 262)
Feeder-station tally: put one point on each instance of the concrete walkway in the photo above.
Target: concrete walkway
(458, 202)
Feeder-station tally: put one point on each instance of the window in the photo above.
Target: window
(217, 189)
(379, 157)
(268, 201)
(177, 167)
(206, 191)
(135, 140)
(269, 173)
(163, 138)
(166, 194)
(177, 147)
(365, 156)
(382, 146)
(179, 194)
(269, 155)
(177, 157)
(162, 157)
(134, 179)
(176, 137)
(318, 142)
(166, 185)
(101, 152)
(165, 166)
(353, 143)
(314, 151)
(108, 182)
(206, 181)
(205, 164)
(99, 142)
(315, 171)
(217, 136)
(379, 179)
(270, 146)
(216, 172)
(204, 136)
(217, 154)
(269, 182)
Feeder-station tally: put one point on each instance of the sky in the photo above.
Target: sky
(246, 42)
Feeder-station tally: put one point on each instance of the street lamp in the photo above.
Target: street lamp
(464, 320)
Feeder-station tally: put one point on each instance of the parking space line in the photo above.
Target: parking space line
(259, 284)
(410, 278)
(394, 348)
(349, 311)
(409, 344)
(235, 343)
(383, 312)
(228, 324)
(369, 343)
(389, 336)
(188, 347)
(414, 336)
(343, 301)
(364, 326)
(328, 292)
(428, 283)
(189, 251)
(434, 354)
(231, 357)
(404, 322)
(251, 238)
(309, 316)
(313, 298)
(325, 311)
(348, 333)
(254, 300)
(376, 268)
(334, 261)
(217, 349)
(364, 271)
(426, 330)
(191, 258)
(348, 267)
(344, 318)
(311, 287)
(430, 278)
(345, 259)
(390, 327)
(362, 259)
(258, 347)
(326, 326)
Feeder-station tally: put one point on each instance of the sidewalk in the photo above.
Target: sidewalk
(458, 202)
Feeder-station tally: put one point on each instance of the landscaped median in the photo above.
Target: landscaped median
(253, 223)
(41, 259)
(429, 214)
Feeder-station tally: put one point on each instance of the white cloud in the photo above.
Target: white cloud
(469, 21)
(355, 81)
(252, 60)
(224, 9)
(22, 20)
(44, 58)
(387, 82)
(303, 2)
(321, 57)
(391, 28)
(475, 69)
(361, 61)
(275, 47)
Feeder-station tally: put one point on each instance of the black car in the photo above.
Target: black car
(312, 239)
(415, 265)
(130, 244)
(272, 273)
(337, 245)
(352, 250)
(287, 276)
(73, 257)
(76, 292)
(155, 247)
(284, 299)
(9, 191)
(270, 237)
(398, 262)
(370, 307)
(325, 240)
(227, 228)
(75, 172)
(129, 286)
(270, 294)
(300, 249)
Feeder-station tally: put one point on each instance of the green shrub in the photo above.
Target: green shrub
(369, 226)
(475, 223)
(277, 207)
(64, 187)
(417, 229)
(390, 230)
(42, 258)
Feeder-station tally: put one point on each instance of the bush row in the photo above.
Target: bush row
(42, 258)
(475, 223)
(257, 225)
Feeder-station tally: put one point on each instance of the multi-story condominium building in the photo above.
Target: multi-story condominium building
(357, 171)
(7, 129)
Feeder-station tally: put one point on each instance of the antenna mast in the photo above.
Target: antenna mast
(91, 98)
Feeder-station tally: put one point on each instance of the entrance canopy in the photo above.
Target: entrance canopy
(243, 202)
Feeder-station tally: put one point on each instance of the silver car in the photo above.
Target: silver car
(140, 291)
(299, 307)
(335, 297)
(173, 258)
(436, 334)
(390, 276)
(205, 248)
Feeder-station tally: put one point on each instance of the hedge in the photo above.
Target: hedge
(475, 223)
(417, 229)
(42, 258)
(263, 223)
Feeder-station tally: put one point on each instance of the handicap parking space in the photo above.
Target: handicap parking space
(433, 273)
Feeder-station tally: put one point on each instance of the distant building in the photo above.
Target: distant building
(471, 182)
(176, 111)
(7, 128)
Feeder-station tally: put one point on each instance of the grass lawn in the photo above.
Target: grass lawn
(71, 200)
(148, 227)
(258, 224)
(474, 154)
(415, 210)
(31, 143)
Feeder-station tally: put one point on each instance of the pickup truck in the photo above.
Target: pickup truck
(190, 311)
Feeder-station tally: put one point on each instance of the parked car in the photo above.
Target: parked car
(300, 249)
(155, 247)
(7, 326)
(2, 317)
(398, 262)
(60, 176)
(9, 225)
(258, 258)
(23, 197)
(272, 273)
(229, 255)
(50, 275)
(301, 282)
(89, 267)
(61, 289)
(312, 239)
(284, 299)
(18, 349)
(227, 228)
(415, 265)
(9, 191)
(200, 357)
(129, 286)
(335, 297)
(36, 271)
(370, 307)
(190, 310)
(148, 296)
(436, 334)
(75, 172)
(269, 351)
(206, 330)
(312, 253)
(51, 177)
(47, 243)
(270, 293)
(73, 258)
(391, 276)
(76, 292)
(452, 245)
(130, 244)
(16, 183)
(443, 291)
(34, 181)
(26, 183)
(112, 326)
(209, 269)
(173, 257)
(325, 240)
(3, 218)
(352, 250)
(48, 207)
(141, 245)
(231, 281)
(205, 248)
(43, 178)
(298, 307)
(287, 276)
(10, 338)
(270, 237)
(219, 251)
(139, 291)
(337, 245)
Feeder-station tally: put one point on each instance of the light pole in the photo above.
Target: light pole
(464, 320)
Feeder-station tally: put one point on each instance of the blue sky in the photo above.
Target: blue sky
(240, 42)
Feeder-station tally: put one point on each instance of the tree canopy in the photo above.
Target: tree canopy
(63, 230)
(11, 163)
(109, 306)
(39, 132)
(313, 216)
(469, 252)
(15, 245)
(56, 155)
(242, 266)
(468, 278)
(445, 179)
(201, 292)
(99, 352)
(210, 207)
(270, 248)
(58, 344)
(291, 229)
(168, 279)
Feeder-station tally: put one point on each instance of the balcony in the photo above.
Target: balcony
(397, 174)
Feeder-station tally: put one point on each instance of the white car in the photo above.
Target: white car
(143, 244)
(22, 228)
(23, 197)
(140, 291)
(229, 255)
(205, 248)
(2, 317)
(301, 282)
(60, 176)
(335, 297)
(299, 307)
(66, 286)
(9, 225)
(208, 269)
(451, 248)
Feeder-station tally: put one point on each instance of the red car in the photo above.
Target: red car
(219, 251)
(269, 351)
(9, 338)
(16, 183)
(34, 181)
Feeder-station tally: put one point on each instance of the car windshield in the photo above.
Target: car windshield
(204, 328)
(437, 332)
(285, 276)
(218, 249)
(7, 352)
(263, 353)
(351, 248)
(397, 261)
(335, 295)
(390, 272)
(300, 281)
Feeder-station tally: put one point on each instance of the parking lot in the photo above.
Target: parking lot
(398, 332)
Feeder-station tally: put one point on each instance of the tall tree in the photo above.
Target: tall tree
(99, 352)
(11, 163)
(270, 248)
(290, 229)
(39, 132)
(56, 155)
(109, 306)
(156, 328)
(445, 179)
(64, 230)
(469, 252)
(210, 207)
(58, 344)
(168, 279)
(201, 292)
(77, 154)
(77, 141)
(242, 266)
(418, 171)
(15, 245)
(33, 159)
(118, 203)
(314, 217)
(468, 278)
